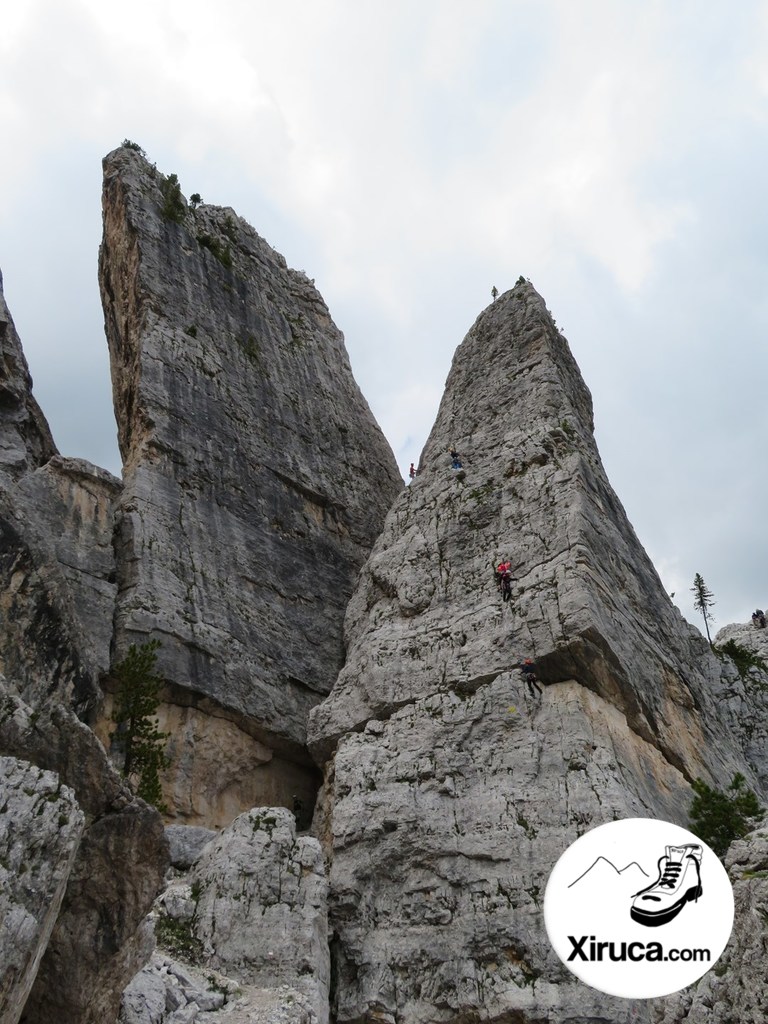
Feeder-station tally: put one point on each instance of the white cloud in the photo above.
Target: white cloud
(411, 155)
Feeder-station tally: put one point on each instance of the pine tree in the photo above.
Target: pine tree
(702, 601)
(718, 818)
(135, 715)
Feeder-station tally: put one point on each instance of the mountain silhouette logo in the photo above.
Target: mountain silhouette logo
(597, 865)
(625, 908)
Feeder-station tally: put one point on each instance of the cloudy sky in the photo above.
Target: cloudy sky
(410, 154)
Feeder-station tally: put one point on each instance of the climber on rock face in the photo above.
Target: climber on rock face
(412, 471)
(455, 460)
(528, 669)
(503, 576)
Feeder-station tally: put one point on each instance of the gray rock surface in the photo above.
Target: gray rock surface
(25, 438)
(57, 595)
(166, 992)
(256, 478)
(57, 572)
(744, 699)
(73, 503)
(262, 905)
(169, 992)
(97, 943)
(450, 791)
(745, 635)
(587, 602)
(186, 843)
(40, 828)
(256, 483)
(42, 648)
(734, 991)
(243, 936)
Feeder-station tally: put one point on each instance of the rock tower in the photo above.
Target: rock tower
(255, 482)
(450, 790)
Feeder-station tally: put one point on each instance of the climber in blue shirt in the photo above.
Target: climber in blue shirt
(528, 669)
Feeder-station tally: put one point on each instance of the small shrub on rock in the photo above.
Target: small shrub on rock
(742, 658)
(718, 818)
(174, 208)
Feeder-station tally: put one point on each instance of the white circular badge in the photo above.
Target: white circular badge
(638, 908)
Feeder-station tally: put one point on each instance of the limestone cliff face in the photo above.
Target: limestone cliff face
(744, 703)
(25, 438)
(97, 942)
(42, 825)
(735, 990)
(94, 855)
(587, 603)
(57, 571)
(450, 791)
(255, 477)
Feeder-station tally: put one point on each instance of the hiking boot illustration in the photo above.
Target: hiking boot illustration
(679, 882)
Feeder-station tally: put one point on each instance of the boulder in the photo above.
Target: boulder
(40, 828)
(262, 908)
(97, 943)
(168, 992)
(186, 843)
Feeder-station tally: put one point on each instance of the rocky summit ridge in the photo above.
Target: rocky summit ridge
(318, 620)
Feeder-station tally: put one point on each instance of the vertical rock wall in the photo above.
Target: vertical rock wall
(255, 476)
(25, 438)
(97, 943)
(450, 790)
(57, 591)
(74, 511)
(40, 827)
(57, 567)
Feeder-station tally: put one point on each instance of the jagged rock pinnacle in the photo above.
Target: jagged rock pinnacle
(256, 478)
(25, 438)
(450, 790)
(56, 535)
(586, 603)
